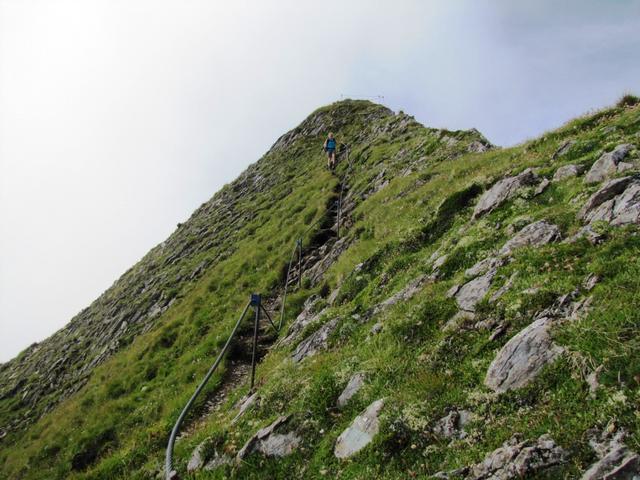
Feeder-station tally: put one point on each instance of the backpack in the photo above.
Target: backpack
(331, 144)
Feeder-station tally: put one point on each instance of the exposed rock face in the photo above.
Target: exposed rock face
(523, 357)
(306, 317)
(485, 265)
(502, 191)
(608, 164)
(567, 171)
(355, 384)
(472, 292)
(616, 461)
(315, 342)
(270, 443)
(245, 404)
(413, 287)
(206, 457)
(616, 202)
(534, 235)
(452, 426)
(364, 427)
(518, 460)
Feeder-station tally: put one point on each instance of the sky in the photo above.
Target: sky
(119, 117)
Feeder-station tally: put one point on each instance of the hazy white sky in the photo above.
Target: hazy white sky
(119, 117)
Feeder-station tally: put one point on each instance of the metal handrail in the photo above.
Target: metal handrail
(170, 474)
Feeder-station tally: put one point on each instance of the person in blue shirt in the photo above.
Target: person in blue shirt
(330, 147)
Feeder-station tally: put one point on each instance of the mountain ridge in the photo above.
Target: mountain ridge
(168, 297)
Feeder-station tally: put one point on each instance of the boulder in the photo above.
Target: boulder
(617, 202)
(353, 386)
(616, 460)
(315, 342)
(472, 292)
(607, 164)
(270, 443)
(533, 235)
(522, 357)
(516, 459)
(567, 171)
(502, 191)
(362, 430)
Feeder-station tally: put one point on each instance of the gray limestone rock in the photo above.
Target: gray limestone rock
(452, 425)
(563, 149)
(502, 191)
(315, 342)
(606, 192)
(567, 171)
(472, 292)
(353, 386)
(360, 433)
(616, 460)
(607, 164)
(516, 459)
(270, 443)
(542, 187)
(245, 404)
(533, 235)
(523, 357)
(617, 202)
(483, 266)
(413, 287)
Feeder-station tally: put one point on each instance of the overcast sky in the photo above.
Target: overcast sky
(119, 118)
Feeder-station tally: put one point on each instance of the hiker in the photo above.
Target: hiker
(330, 147)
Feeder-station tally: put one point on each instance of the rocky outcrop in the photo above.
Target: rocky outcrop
(563, 149)
(616, 202)
(270, 443)
(315, 342)
(306, 317)
(517, 459)
(360, 433)
(533, 235)
(413, 287)
(353, 386)
(615, 460)
(502, 191)
(206, 457)
(523, 357)
(472, 292)
(609, 164)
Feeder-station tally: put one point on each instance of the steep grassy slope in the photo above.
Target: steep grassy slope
(411, 194)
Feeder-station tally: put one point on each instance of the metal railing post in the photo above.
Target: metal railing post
(256, 303)
(299, 263)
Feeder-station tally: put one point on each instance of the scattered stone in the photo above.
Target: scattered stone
(377, 328)
(504, 289)
(516, 459)
(616, 460)
(452, 426)
(533, 235)
(269, 443)
(607, 164)
(567, 171)
(563, 149)
(315, 342)
(458, 321)
(362, 430)
(523, 357)
(587, 232)
(197, 461)
(472, 292)
(502, 191)
(245, 403)
(592, 380)
(484, 265)
(353, 386)
(542, 187)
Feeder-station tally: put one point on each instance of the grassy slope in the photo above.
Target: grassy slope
(420, 369)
